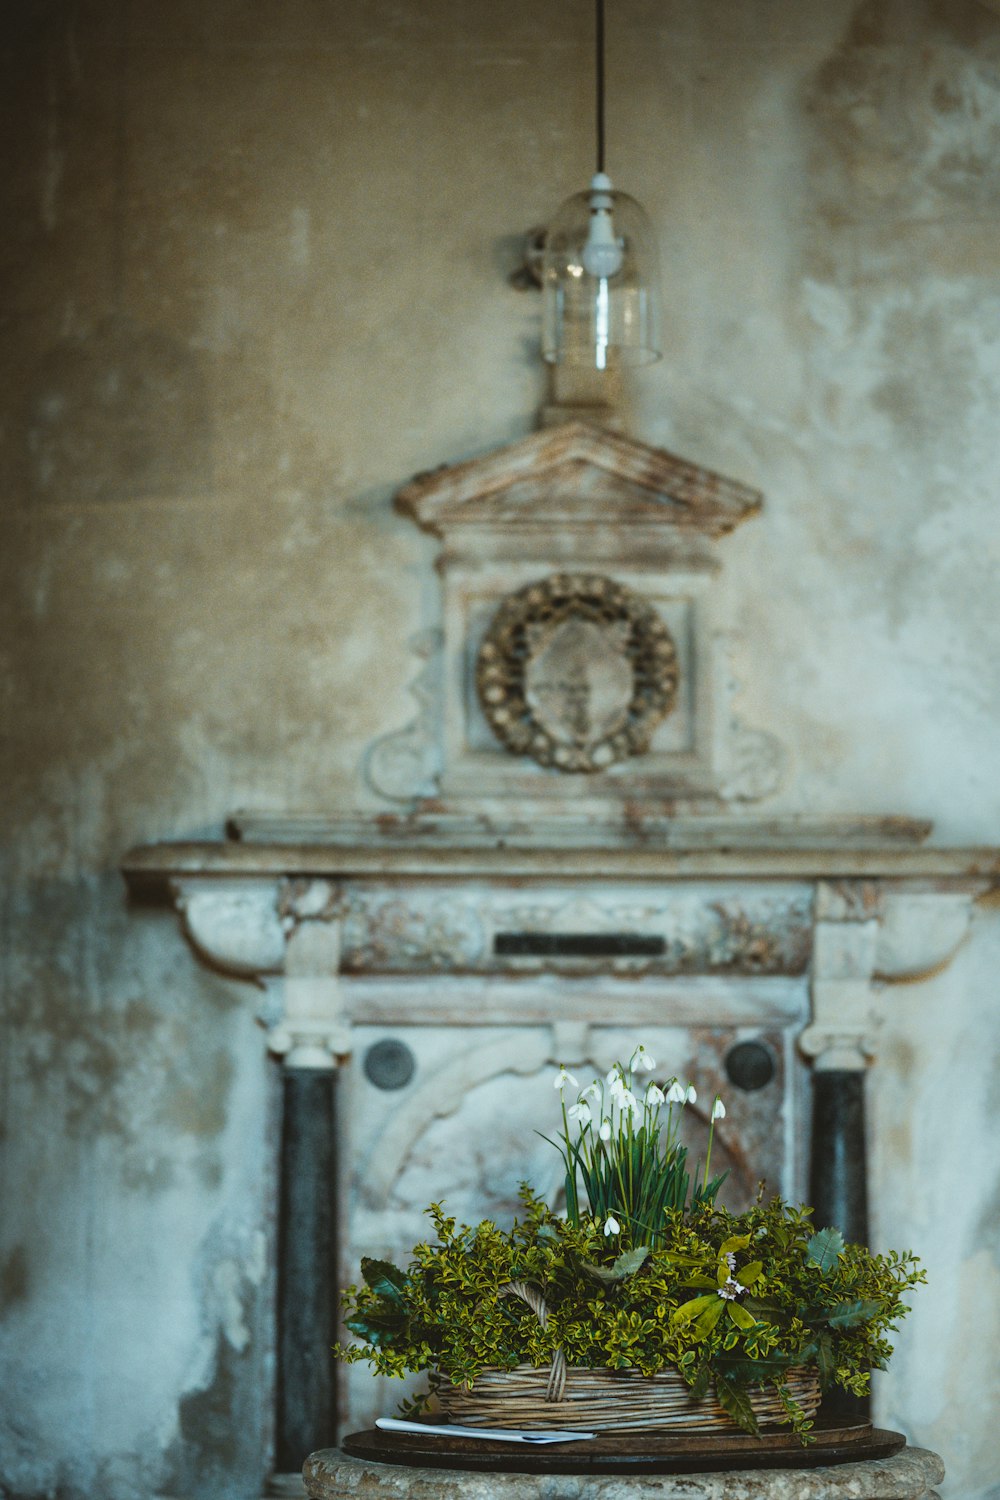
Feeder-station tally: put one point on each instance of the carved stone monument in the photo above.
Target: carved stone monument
(566, 867)
(577, 659)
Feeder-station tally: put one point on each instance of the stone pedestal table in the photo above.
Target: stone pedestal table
(909, 1475)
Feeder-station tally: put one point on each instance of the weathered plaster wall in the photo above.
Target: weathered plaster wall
(255, 260)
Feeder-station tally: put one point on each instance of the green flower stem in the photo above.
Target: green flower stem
(708, 1155)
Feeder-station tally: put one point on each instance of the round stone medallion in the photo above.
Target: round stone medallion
(576, 671)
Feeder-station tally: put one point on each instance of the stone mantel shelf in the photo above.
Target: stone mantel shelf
(301, 906)
(877, 849)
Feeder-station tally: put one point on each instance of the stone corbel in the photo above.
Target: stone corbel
(234, 925)
(920, 933)
(286, 936)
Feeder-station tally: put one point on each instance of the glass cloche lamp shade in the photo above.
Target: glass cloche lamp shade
(600, 282)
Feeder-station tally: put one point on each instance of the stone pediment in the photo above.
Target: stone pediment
(576, 477)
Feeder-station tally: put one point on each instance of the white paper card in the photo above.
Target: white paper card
(492, 1434)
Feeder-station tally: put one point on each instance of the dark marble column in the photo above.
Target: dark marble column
(838, 1171)
(307, 1268)
(839, 1183)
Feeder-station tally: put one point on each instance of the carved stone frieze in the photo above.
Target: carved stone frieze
(576, 671)
(478, 929)
(390, 932)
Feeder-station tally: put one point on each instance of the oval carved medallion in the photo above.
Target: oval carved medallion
(576, 671)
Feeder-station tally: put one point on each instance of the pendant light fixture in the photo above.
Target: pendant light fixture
(600, 269)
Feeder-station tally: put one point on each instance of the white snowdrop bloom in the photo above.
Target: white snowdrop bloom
(611, 1225)
(605, 1130)
(627, 1100)
(676, 1093)
(718, 1109)
(579, 1112)
(654, 1094)
(592, 1091)
(562, 1078)
(641, 1062)
(691, 1094)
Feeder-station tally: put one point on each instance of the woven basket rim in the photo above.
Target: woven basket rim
(798, 1372)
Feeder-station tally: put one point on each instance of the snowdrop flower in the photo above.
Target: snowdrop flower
(654, 1094)
(627, 1100)
(605, 1130)
(592, 1091)
(611, 1225)
(562, 1078)
(676, 1093)
(718, 1109)
(621, 1094)
(641, 1062)
(691, 1094)
(579, 1112)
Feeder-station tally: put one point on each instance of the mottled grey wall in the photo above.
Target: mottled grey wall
(254, 256)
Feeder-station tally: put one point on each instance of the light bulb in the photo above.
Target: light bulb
(603, 252)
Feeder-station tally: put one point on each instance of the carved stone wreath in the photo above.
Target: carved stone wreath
(576, 671)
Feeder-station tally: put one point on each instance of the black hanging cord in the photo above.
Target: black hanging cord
(599, 70)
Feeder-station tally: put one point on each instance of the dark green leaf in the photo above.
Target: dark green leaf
(823, 1250)
(850, 1314)
(736, 1402)
(756, 1371)
(826, 1362)
(384, 1278)
(375, 1329)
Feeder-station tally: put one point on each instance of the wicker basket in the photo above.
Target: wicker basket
(611, 1400)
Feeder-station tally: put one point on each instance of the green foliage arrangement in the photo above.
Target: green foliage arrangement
(650, 1273)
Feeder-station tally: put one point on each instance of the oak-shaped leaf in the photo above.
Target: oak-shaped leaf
(851, 1314)
(823, 1250)
(627, 1264)
(736, 1402)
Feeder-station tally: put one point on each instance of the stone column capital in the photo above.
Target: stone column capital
(313, 1030)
